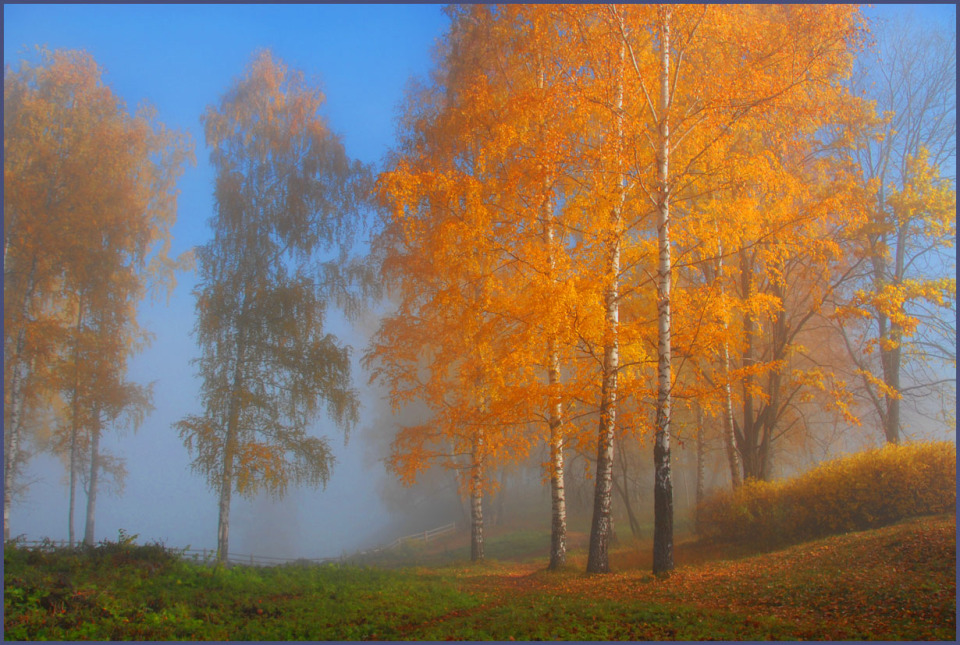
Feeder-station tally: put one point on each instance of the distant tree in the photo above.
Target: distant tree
(285, 192)
(89, 199)
(101, 397)
(902, 337)
(91, 376)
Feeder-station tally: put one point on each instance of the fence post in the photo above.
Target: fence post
(251, 559)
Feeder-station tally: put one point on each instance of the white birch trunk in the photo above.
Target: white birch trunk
(75, 427)
(229, 454)
(226, 488)
(663, 486)
(88, 534)
(476, 500)
(74, 458)
(13, 433)
(11, 453)
(558, 533)
(223, 517)
(558, 504)
(597, 558)
(729, 438)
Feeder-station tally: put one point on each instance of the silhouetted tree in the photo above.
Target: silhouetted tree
(285, 191)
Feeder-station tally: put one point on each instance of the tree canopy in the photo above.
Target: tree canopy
(285, 193)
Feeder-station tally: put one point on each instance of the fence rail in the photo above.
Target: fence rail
(426, 536)
(209, 555)
(199, 555)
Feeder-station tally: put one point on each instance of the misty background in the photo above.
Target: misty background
(181, 58)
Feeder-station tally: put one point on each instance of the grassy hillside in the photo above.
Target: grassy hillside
(896, 582)
(864, 490)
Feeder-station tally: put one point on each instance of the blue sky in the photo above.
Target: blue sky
(180, 58)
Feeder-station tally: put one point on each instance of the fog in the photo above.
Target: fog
(363, 505)
(181, 59)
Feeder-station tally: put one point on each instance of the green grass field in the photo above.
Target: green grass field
(897, 582)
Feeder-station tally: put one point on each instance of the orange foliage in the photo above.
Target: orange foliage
(860, 491)
(520, 178)
(89, 200)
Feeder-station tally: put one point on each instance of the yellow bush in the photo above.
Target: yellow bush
(865, 490)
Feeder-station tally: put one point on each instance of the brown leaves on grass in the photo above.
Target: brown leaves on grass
(896, 582)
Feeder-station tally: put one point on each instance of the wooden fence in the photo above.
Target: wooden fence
(425, 536)
(209, 555)
(198, 555)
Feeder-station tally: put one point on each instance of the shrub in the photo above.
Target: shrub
(861, 491)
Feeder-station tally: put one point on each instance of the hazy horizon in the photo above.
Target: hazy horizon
(180, 59)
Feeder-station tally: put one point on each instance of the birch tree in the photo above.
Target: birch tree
(285, 193)
(482, 168)
(519, 99)
(900, 327)
(444, 346)
(90, 197)
(761, 59)
(585, 201)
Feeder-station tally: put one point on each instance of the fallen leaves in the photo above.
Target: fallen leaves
(896, 582)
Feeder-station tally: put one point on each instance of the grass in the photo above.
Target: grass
(523, 545)
(897, 582)
(134, 593)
